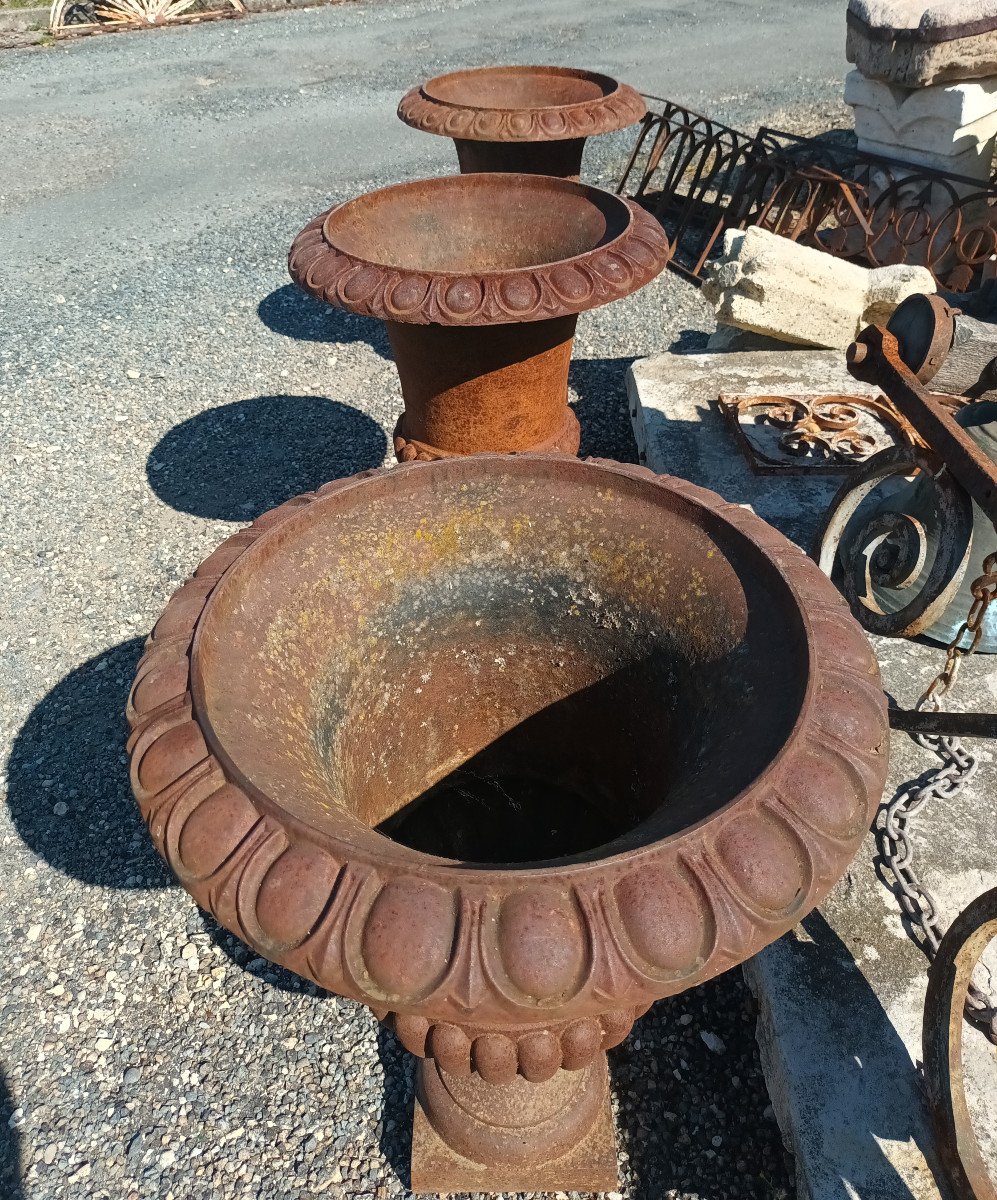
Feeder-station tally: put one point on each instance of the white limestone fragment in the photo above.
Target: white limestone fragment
(772, 286)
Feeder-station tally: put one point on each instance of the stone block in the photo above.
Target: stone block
(914, 44)
(949, 127)
(930, 19)
(771, 286)
(927, 16)
(948, 105)
(973, 164)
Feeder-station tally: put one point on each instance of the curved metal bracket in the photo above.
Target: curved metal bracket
(892, 553)
(941, 1040)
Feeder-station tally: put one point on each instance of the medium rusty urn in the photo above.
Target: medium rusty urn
(480, 280)
(508, 747)
(533, 120)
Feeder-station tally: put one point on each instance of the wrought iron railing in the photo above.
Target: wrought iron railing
(700, 178)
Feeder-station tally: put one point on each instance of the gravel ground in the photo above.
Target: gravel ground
(160, 383)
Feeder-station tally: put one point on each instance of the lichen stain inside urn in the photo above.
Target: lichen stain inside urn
(480, 673)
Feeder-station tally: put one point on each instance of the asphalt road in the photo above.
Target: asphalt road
(161, 137)
(160, 382)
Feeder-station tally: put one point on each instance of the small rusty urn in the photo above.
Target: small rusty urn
(480, 280)
(508, 747)
(532, 120)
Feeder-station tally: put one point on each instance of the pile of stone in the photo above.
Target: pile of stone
(841, 999)
(924, 90)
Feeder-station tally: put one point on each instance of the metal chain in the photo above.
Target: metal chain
(945, 782)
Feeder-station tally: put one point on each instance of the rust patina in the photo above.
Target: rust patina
(532, 120)
(508, 747)
(480, 280)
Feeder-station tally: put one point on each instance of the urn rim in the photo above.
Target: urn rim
(608, 105)
(603, 955)
(324, 259)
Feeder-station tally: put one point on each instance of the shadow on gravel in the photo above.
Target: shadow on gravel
(237, 461)
(690, 341)
(399, 1097)
(10, 1146)
(601, 408)
(293, 313)
(247, 959)
(68, 790)
(675, 1095)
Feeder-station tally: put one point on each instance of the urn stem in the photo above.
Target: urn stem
(563, 159)
(470, 388)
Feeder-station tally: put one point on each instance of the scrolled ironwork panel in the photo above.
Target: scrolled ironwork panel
(700, 178)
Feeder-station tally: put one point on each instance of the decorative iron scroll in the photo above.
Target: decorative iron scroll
(812, 434)
(701, 178)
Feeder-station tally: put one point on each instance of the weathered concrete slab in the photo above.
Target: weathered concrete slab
(841, 997)
(680, 432)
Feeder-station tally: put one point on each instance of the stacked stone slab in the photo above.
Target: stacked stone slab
(925, 86)
(916, 44)
(949, 127)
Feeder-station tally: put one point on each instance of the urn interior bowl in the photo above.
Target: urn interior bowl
(476, 673)
(523, 89)
(521, 118)
(455, 226)
(508, 748)
(480, 279)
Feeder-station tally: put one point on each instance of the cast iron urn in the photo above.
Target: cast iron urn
(479, 280)
(508, 747)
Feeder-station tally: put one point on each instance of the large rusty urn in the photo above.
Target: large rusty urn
(529, 119)
(508, 747)
(480, 280)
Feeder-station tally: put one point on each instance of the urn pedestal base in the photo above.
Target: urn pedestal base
(556, 1136)
(565, 441)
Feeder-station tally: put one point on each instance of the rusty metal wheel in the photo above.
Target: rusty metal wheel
(941, 1040)
(897, 574)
